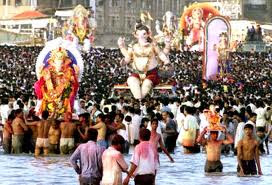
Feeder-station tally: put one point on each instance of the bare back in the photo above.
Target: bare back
(67, 129)
(43, 128)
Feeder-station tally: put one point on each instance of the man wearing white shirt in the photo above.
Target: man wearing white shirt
(120, 104)
(190, 131)
(4, 110)
(180, 118)
(135, 123)
(144, 161)
(82, 109)
(175, 107)
(261, 112)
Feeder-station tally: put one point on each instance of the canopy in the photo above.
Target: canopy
(64, 13)
(29, 15)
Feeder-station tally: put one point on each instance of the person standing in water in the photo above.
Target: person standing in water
(213, 148)
(113, 162)
(156, 139)
(144, 161)
(248, 153)
(89, 156)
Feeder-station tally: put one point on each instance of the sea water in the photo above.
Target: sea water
(187, 170)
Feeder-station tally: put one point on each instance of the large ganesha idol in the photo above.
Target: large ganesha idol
(193, 22)
(169, 31)
(58, 68)
(143, 56)
(81, 32)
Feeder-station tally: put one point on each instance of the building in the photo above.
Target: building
(9, 8)
(259, 10)
(117, 17)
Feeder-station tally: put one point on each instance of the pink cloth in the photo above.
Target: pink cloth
(145, 158)
(113, 163)
(38, 88)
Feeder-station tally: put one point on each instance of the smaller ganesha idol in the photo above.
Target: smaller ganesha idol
(58, 69)
(81, 28)
(214, 119)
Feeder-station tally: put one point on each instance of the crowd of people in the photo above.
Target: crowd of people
(242, 98)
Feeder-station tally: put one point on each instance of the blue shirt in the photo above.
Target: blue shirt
(89, 156)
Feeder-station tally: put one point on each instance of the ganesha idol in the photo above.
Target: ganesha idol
(58, 78)
(81, 29)
(196, 30)
(213, 118)
(144, 57)
(169, 31)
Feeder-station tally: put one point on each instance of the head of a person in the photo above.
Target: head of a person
(144, 134)
(214, 135)
(92, 134)
(19, 113)
(106, 110)
(154, 124)
(144, 122)
(11, 117)
(165, 115)
(253, 117)
(157, 107)
(118, 143)
(45, 114)
(84, 118)
(188, 110)
(68, 116)
(100, 118)
(82, 104)
(128, 119)
(248, 129)
(119, 117)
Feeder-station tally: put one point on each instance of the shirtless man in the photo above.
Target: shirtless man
(42, 139)
(19, 127)
(54, 138)
(67, 128)
(213, 148)
(100, 126)
(248, 153)
(7, 134)
(82, 129)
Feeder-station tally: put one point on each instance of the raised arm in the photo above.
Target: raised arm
(161, 54)
(200, 138)
(127, 53)
(229, 139)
